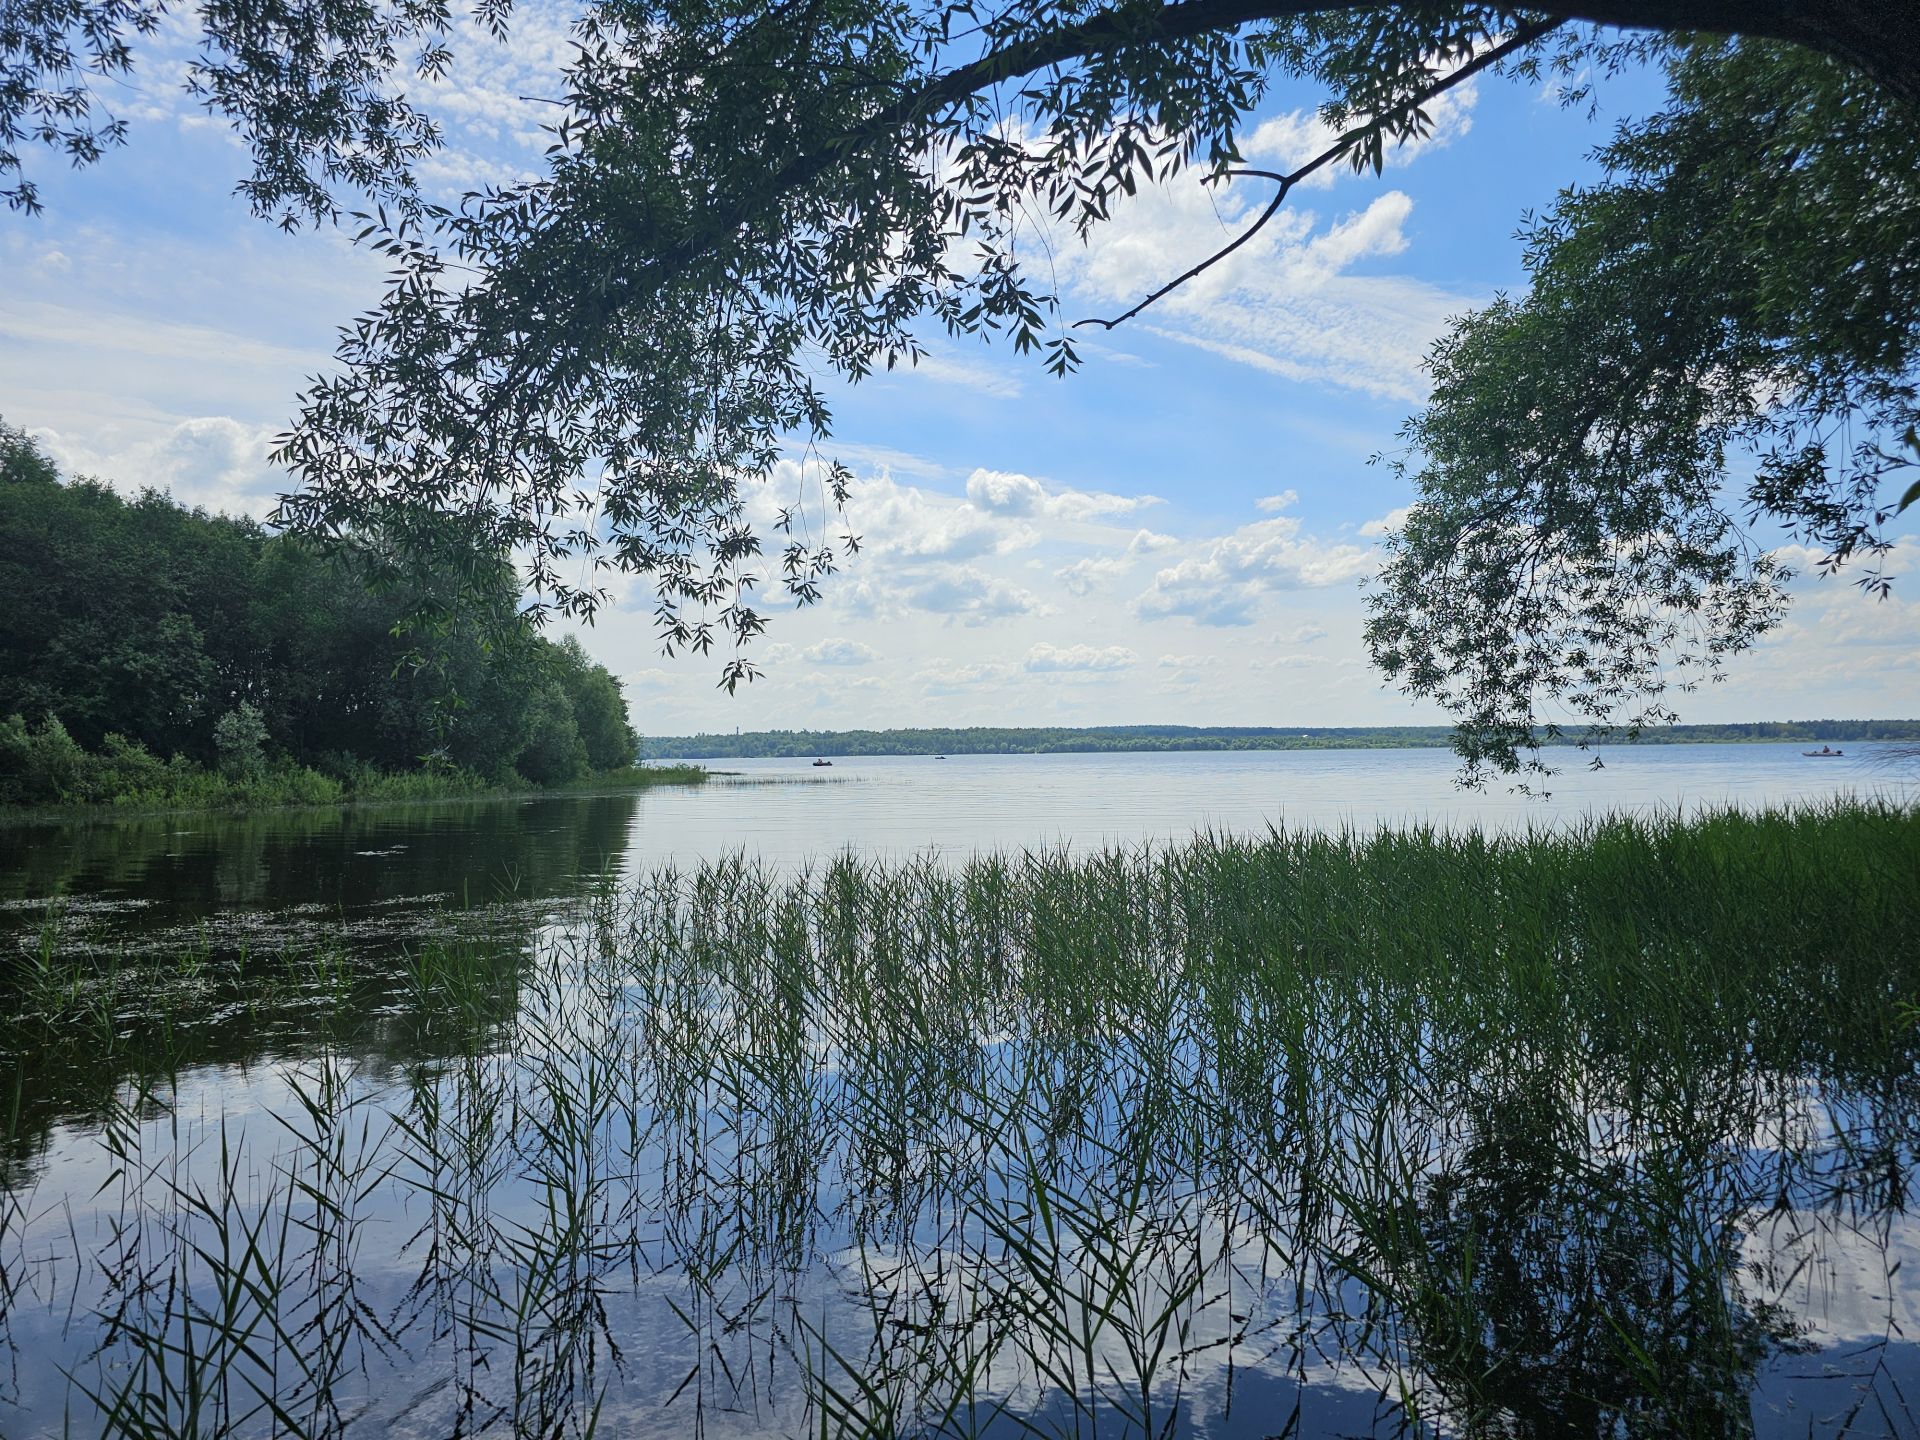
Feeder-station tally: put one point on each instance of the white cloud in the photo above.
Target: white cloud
(1224, 584)
(948, 679)
(1274, 503)
(649, 679)
(1387, 523)
(1083, 577)
(1287, 662)
(213, 461)
(1001, 492)
(1190, 662)
(170, 342)
(905, 522)
(1287, 301)
(1045, 659)
(992, 380)
(1288, 141)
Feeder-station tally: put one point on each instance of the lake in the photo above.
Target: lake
(379, 873)
(884, 1098)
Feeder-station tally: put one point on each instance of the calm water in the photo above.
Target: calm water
(256, 1138)
(379, 874)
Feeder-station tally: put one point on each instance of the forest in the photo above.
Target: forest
(157, 654)
(1041, 740)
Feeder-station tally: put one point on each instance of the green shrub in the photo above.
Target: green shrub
(240, 739)
(40, 767)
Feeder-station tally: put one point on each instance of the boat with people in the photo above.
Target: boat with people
(1825, 752)
(823, 762)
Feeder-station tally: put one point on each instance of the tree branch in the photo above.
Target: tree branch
(1854, 31)
(1520, 39)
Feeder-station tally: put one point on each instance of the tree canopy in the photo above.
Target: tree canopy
(743, 199)
(144, 631)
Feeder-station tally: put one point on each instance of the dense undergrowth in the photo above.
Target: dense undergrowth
(1395, 1132)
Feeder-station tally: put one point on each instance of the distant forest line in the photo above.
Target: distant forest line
(1094, 739)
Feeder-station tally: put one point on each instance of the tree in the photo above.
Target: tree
(553, 753)
(240, 739)
(599, 710)
(1725, 330)
(595, 363)
(148, 633)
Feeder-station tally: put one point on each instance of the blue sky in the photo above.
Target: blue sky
(1177, 533)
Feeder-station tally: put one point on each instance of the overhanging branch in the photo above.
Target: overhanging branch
(1519, 40)
(1868, 34)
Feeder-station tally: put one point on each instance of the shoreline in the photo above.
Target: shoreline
(619, 782)
(1158, 739)
(1846, 749)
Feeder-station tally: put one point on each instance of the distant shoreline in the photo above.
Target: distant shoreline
(1123, 739)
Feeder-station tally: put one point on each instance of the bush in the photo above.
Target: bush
(240, 740)
(40, 767)
(127, 773)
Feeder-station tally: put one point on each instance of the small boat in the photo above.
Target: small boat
(823, 762)
(1824, 753)
(939, 757)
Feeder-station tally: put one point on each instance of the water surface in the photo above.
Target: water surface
(768, 1107)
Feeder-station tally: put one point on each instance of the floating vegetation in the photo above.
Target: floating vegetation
(1604, 1133)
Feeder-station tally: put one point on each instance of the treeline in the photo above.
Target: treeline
(151, 653)
(1043, 740)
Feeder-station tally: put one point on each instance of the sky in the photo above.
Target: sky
(1180, 532)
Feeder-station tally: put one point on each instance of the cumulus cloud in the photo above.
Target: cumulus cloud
(1387, 523)
(905, 522)
(1001, 492)
(1145, 542)
(1083, 577)
(1224, 584)
(1190, 662)
(1274, 503)
(1045, 659)
(212, 461)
